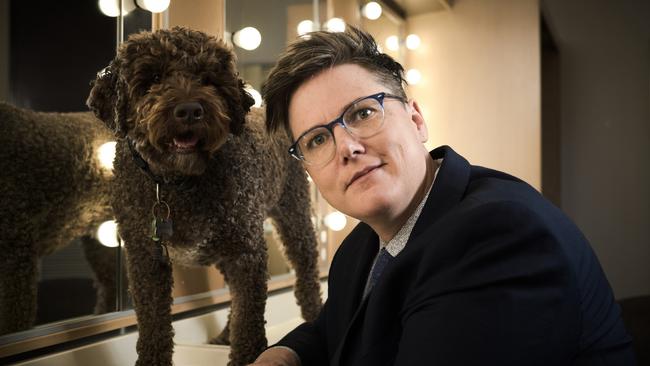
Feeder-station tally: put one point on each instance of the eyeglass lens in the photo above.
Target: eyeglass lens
(362, 119)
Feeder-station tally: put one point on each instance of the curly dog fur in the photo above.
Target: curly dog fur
(53, 191)
(174, 100)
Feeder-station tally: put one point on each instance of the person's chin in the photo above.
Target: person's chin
(369, 203)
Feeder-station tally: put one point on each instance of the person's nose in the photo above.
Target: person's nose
(347, 146)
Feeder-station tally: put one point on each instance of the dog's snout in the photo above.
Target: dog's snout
(188, 112)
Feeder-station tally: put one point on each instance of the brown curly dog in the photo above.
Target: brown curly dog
(195, 177)
(53, 190)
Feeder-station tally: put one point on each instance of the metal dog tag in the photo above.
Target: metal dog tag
(163, 229)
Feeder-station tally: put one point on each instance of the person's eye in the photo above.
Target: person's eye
(317, 140)
(361, 114)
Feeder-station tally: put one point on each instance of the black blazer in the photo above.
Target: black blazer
(492, 274)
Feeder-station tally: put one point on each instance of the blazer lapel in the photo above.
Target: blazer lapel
(358, 274)
(448, 188)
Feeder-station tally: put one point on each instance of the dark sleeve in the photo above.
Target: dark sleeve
(308, 340)
(503, 294)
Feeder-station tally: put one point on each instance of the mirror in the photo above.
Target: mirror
(53, 270)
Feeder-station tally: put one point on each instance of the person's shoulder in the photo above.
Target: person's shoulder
(495, 188)
(353, 242)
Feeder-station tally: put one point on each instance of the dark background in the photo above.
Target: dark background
(56, 49)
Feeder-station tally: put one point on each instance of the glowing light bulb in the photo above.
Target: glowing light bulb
(335, 25)
(336, 221)
(107, 234)
(413, 76)
(392, 43)
(305, 27)
(106, 155)
(111, 8)
(154, 6)
(371, 10)
(412, 41)
(248, 38)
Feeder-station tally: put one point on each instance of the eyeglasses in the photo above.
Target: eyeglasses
(362, 118)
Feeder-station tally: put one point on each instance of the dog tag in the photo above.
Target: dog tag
(162, 229)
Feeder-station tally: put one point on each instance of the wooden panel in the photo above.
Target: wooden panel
(204, 15)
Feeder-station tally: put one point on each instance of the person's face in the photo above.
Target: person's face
(373, 179)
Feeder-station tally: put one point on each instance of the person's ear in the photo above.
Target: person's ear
(418, 119)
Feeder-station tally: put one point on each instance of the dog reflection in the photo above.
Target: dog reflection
(53, 190)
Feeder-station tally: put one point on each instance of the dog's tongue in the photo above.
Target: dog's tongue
(186, 142)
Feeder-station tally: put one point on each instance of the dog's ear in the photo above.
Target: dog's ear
(108, 100)
(239, 107)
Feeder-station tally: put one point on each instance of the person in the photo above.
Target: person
(451, 264)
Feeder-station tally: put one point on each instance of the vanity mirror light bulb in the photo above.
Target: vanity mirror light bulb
(107, 234)
(335, 25)
(412, 41)
(392, 43)
(413, 76)
(336, 221)
(305, 27)
(106, 155)
(111, 8)
(371, 10)
(154, 6)
(248, 38)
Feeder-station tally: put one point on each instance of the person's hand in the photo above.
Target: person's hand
(277, 356)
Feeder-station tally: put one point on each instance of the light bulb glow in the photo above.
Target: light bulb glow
(392, 43)
(257, 97)
(111, 7)
(371, 10)
(412, 41)
(248, 38)
(106, 155)
(336, 221)
(413, 76)
(305, 27)
(154, 6)
(335, 25)
(107, 234)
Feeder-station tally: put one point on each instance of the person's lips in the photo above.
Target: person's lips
(361, 173)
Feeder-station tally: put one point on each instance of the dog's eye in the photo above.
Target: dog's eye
(155, 78)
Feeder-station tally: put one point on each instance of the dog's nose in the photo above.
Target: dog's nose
(188, 112)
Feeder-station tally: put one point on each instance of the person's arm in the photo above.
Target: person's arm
(507, 297)
(306, 345)
(277, 356)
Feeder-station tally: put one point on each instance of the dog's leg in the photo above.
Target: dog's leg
(293, 221)
(102, 260)
(150, 284)
(223, 337)
(247, 275)
(18, 285)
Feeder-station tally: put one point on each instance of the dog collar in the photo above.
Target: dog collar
(181, 184)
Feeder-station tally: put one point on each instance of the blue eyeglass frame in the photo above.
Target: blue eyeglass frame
(379, 97)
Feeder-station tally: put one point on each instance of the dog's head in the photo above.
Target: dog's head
(176, 94)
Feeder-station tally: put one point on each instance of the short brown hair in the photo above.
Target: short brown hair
(308, 56)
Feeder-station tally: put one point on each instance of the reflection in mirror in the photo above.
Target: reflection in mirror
(51, 183)
(54, 187)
